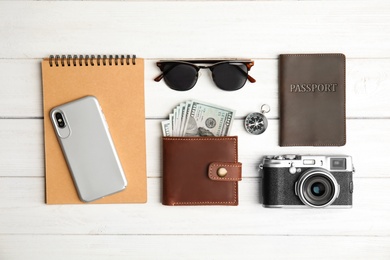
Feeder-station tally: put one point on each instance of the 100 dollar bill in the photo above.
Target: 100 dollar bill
(195, 118)
(208, 120)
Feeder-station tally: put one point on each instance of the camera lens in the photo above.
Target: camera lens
(317, 188)
(60, 120)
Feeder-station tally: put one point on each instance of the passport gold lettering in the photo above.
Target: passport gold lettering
(313, 87)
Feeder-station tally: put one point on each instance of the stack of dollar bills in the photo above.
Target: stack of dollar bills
(194, 118)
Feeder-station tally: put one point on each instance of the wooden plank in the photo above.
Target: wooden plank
(367, 90)
(23, 212)
(21, 150)
(258, 29)
(192, 247)
(21, 88)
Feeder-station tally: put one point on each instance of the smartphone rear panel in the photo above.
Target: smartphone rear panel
(88, 148)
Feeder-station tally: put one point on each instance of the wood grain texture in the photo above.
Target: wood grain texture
(192, 247)
(154, 30)
(195, 29)
(23, 212)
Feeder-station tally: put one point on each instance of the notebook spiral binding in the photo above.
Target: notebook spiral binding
(99, 60)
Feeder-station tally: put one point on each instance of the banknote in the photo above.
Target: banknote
(176, 122)
(166, 128)
(196, 118)
(208, 120)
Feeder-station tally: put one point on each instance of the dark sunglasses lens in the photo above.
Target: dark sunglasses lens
(230, 76)
(180, 77)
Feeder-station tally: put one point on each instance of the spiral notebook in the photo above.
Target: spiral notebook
(118, 83)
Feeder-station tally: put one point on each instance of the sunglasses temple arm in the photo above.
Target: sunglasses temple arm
(159, 77)
(251, 80)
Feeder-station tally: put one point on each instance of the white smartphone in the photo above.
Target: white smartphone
(89, 151)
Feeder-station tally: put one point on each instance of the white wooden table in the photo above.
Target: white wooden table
(260, 30)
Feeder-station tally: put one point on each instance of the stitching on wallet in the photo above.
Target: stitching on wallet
(223, 178)
(199, 138)
(207, 202)
(234, 139)
(235, 160)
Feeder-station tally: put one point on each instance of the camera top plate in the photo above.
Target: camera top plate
(309, 161)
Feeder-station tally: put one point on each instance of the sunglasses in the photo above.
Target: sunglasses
(228, 75)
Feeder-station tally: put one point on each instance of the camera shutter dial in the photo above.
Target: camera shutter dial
(292, 169)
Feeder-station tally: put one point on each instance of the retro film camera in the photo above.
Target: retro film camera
(316, 181)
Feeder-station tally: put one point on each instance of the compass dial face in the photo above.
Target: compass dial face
(255, 123)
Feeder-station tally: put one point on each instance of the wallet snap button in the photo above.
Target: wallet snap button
(221, 172)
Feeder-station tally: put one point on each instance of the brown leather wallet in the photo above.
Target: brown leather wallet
(200, 171)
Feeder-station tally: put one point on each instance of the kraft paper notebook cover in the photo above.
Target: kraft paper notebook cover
(312, 100)
(118, 84)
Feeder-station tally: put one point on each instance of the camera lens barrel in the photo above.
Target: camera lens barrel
(317, 188)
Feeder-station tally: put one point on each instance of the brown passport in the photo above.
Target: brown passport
(312, 100)
(200, 171)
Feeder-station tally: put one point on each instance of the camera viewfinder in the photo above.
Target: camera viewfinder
(338, 163)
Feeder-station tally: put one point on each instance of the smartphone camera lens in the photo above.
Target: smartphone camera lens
(60, 120)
